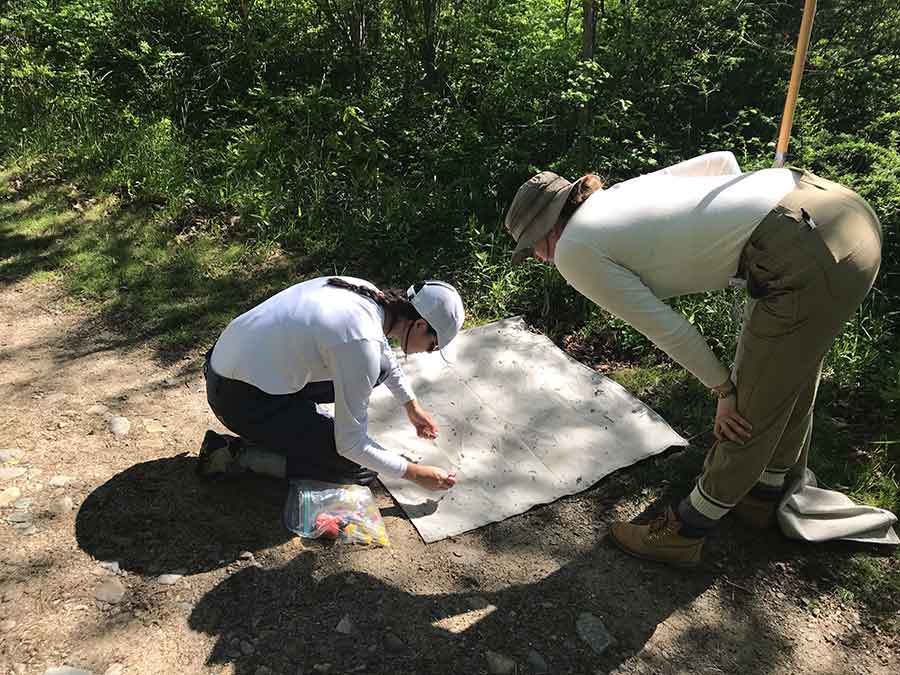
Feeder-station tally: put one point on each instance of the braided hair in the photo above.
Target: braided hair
(393, 300)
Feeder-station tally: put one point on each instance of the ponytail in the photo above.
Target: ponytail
(394, 301)
(584, 188)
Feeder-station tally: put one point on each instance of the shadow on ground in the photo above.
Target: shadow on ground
(290, 613)
(158, 517)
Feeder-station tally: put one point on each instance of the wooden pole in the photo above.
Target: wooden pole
(787, 118)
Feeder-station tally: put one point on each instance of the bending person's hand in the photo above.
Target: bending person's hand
(430, 477)
(730, 425)
(421, 420)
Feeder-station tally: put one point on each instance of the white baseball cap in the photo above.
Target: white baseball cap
(440, 305)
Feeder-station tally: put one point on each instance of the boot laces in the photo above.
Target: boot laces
(662, 526)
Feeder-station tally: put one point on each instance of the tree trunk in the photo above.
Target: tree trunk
(587, 30)
(587, 53)
(430, 10)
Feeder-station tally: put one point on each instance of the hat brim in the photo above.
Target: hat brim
(546, 221)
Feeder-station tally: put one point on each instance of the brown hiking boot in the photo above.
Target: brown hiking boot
(755, 513)
(659, 541)
(219, 455)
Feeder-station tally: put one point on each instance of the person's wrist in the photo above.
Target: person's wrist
(725, 389)
(412, 471)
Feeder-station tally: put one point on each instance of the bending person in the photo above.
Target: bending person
(808, 250)
(323, 341)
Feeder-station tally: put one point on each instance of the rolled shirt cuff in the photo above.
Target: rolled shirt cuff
(372, 456)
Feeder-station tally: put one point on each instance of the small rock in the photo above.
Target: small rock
(97, 409)
(111, 591)
(22, 504)
(9, 454)
(536, 662)
(115, 669)
(110, 565)
(30, 530)
(10, 495)
(591, 630)
(66, 670)
(60, 480)
(7, 625)
(246, 648)
(152, 426)
(62, 505)
(9, 473)
(345, 626)
(393, 644)
(19, 517)
(55, 397)
(168, 579)
(245, 555)
(498, 664)
(120, 426)
(62, 424)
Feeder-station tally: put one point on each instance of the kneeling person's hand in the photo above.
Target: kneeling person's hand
(430, 477)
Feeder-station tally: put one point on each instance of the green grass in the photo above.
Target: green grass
(173, 286)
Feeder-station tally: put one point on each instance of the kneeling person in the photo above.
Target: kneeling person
(323, 341)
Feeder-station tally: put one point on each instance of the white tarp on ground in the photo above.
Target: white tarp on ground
(521, 422)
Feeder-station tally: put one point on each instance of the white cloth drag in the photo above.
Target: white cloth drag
(812, 513)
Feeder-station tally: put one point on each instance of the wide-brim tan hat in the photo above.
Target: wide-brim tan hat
(535, 211)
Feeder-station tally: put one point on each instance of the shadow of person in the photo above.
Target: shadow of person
(159, 517)
(286, 618)
(412, 511)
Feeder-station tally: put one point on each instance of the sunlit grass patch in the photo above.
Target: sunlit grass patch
(46, 277)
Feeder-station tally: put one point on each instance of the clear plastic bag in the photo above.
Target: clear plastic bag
(315, 509)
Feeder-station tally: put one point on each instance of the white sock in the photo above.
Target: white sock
(264, 462)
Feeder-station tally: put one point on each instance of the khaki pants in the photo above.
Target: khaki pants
(808, 266)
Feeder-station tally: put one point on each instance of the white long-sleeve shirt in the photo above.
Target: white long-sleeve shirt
(313, 332)
(673, 232)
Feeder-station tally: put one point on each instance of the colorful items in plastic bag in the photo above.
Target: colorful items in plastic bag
(315, 509)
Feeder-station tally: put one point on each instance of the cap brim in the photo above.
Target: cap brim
(549, 217)
(446, 348)
(521, 254)
(449, 353)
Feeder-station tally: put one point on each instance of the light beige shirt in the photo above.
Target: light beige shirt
(676, 231)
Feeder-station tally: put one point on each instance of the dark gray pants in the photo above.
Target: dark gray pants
(289, 425)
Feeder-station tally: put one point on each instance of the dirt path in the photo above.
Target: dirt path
(252, 601)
